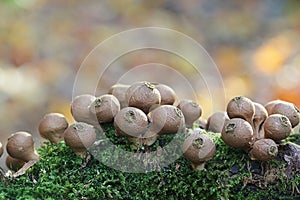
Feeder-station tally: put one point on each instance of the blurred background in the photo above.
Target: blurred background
(255, 45)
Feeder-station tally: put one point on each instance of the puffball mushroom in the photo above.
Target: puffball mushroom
(260, 115)
(289, 110)
(166, 119)
(13, 163)
(237, 133)
(80, 137)
(119, 91)
(263, 150)
(270, 105)
(80, 109)
(241, 107)
(168, 95)
(105, 108)
(52, 127)
(20, 145)
(198, 148)
(132, 123)
(143, 95)
(191, 111)
(216, 121)
(277, 127)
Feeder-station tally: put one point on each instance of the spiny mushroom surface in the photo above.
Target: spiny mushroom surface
(263, 150)
(80, 109)
(191, 111)
(119, 91)
(80, 137)
(198, 148)
(143, 95)
(277, 127)
(105, 108)
(52, 127)
(166, 119)
(237, 133)
(20, 145)
(216, 121)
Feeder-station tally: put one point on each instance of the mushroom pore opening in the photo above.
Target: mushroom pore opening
(284, 121)
(230, 127)
(129, 116)
(178, 112)
(198, 143)
(272, 150)
(150, 86)
(98, 102)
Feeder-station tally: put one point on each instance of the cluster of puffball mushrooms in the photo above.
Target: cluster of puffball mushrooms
(144, 111)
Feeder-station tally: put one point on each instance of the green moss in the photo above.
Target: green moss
(60, 174)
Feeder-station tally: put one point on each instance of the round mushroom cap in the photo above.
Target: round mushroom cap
(168, 95)
(216, 121)
(131, 122)
(237, 133)
(270, 105)
(80, 136)
(241, 107)
(52, 127)
(105, 108)
(119, 91)
(289, 110)
(191, 111)
(198, 148)
(263, 150)
(143, 95)
(277, 127)
(20, 145)
(80, 109)
(166, 119)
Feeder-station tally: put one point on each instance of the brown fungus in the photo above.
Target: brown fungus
(270, 105)
(20, 145)
(166, 119)
(80, 109)
(191, 111)
(105, 108)
(260, 115)
(263, 150)
(14, 164)
(198, 149)
(289, 110)
(241, 107)
(277, 127)
(168, 95)
(130, 122)
(80, 137)
(52, 127)
(237, 133)
(143, 95)
(216, 121)
(119, 91)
